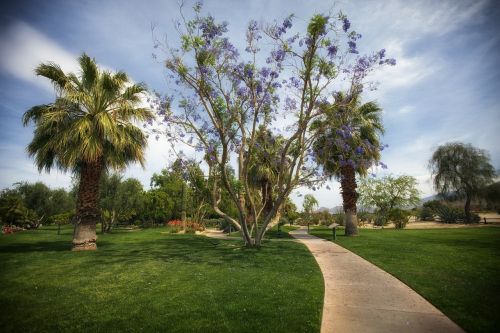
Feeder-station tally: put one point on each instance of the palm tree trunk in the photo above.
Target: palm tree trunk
(349, 198)
(84, 236)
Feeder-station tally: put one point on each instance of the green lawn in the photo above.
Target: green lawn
(457, 270)
(153, 282)
(273, 233)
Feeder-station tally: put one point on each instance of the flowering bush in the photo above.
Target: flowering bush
(10, 229)
(190, 225)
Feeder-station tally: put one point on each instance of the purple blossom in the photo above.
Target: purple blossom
(248, 72)
(345, 24)
(352, 47)
(290, 104)
(210, 29)
(292, 39)
(259, 88)
(278, 55)
(241, 92)
(391, 61)
(265, 71)
(287, 23)
(253, 27)
(294, 82)
(332, 51)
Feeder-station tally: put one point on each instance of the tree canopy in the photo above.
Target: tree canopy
(226, 96)
(89, 128)
(389, 192)
(462, 169)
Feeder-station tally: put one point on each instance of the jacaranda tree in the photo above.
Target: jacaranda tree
(88, 129)
(224, 97)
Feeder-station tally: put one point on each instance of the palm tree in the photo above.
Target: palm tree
(347, 144)
(263, 174)
(88, 129)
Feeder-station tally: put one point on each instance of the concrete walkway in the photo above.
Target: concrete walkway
(360, 297)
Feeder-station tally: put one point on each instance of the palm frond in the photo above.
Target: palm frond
(54, 73)
(89, 71)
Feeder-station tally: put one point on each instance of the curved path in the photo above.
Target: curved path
(360, 297)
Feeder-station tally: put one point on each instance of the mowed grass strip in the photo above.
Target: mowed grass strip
(156, 282)
(457, 270)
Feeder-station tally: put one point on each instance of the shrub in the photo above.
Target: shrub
(474, 218)
(225, 225)
(381, 219)
(433, 205)
(213, 223)
(400, 218)
(427, 214)
(365, 216)
(339, 218)
(191, 226)
(449, 214)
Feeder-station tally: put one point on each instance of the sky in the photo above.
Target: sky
(445, 86)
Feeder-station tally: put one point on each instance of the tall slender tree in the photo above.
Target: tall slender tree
(463, 169)
(88, 129)
(348, 144)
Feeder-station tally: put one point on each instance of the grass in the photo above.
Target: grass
(273, 233)
(457, 270)
(156, 282)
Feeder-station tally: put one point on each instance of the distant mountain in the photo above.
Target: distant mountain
(338, 209)
(322, 209)
(429, 198)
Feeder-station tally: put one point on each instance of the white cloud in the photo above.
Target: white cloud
(406, 109)
(22, 49)
(414, 19)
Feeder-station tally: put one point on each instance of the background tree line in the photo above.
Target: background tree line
(179, 189)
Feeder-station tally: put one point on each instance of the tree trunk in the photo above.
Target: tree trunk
(183, 204)
(112, 221)
(84, 235)
(349, 198)
(467, 209)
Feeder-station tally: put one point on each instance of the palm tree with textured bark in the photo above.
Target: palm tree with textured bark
(348, 143)
(88, 129)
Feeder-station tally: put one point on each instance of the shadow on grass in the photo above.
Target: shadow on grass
(187, 249)
(191, 250)
(41, 246)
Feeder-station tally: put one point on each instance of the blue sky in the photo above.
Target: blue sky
(444, 88)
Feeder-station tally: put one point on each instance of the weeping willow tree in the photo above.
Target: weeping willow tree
(463, 169)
